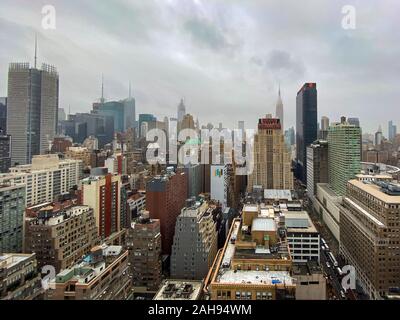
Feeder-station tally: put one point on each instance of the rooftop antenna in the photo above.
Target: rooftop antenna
(35, 49)
(130, 91)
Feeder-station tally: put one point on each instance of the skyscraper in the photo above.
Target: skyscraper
(324, 128)
(181, 111)
(32, 113)
(344, 155)
(317, 165)
(392, 130)
(272, 164)
(279, 109)
(306, 126)
(378, 136)
(3, 115)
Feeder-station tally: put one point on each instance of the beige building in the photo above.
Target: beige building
(103, 194)
(310, 281)
(80, 153)
(19, 277)
(61, 238)
(180, 290)
(370, 235)
(101, 275)
(46, 178)
(271, 157)
(255, 262)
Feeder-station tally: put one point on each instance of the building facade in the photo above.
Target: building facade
(344, 155)
(195, 242)
(61, 237)
(165, 197)
(272, 162)
(317, 165)
(306, 126)
(19, 277)
(369, 235)
(46, 178)
(144, 245)
(12, 212)
(32, 114)
(103, 194)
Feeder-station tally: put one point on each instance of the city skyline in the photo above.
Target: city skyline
(161, 46)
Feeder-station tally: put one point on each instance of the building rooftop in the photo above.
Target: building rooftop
(179, 290)
(9, 260)
(263, 224)
(255, 277)
(377, 191)
(278, 194)
(299, 221)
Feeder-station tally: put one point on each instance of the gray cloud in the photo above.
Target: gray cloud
(225, 57)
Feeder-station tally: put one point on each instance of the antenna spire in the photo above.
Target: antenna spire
(102, 88)
(35, 50)
(130, 91)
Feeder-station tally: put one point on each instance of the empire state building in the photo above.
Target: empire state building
(279, 109)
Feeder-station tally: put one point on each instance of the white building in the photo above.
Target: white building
(302, 236)
(46, 178)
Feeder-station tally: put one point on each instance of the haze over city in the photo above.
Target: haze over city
(226, 58)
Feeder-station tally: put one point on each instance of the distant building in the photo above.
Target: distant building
(195, 175)
(272, 164)
(317, 165)
(101, 275)
(3, 115)
(61, 144)
(344, 155)
(5, 152)
(102, 192)
(392, 131)
(12, 212)
(279, 110)
(19, 277)
(61, 237)
(195, 241)
(32, 110)
(323, 134)
(144, 245)
(46, 178)
(79, 153)
(306, 126)
(181, 111)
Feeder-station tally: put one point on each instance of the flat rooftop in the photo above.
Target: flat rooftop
(179, 290)
(299, 221)
(278, 194)
(255, 277)
(376, 192)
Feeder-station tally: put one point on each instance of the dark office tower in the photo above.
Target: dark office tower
(32, 110)
(306, 126)
(5, 152)
(3, 115)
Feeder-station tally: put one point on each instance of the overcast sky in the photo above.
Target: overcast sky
(224, 57)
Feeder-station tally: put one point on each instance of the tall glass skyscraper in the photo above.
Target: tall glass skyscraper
(306, 126)
(32, 110)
